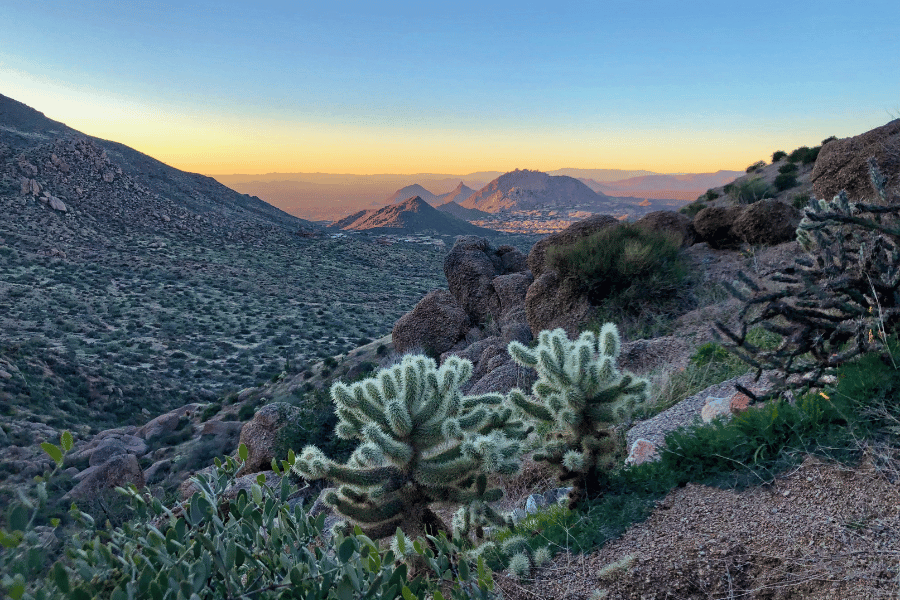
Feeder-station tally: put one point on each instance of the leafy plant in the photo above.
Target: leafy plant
(581, 393)
(778, 155)
(750, 190)
(784, 181)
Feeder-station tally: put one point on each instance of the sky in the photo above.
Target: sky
(455, 87)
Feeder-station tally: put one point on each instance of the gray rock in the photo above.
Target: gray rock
(115, 472)
(534, 503)
(435, 324)
(106, 450)
(518, 515)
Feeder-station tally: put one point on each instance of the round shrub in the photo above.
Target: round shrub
(778, 155)
(785, 181)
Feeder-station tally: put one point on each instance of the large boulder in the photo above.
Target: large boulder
(470, 268)
(552, 302)
(570, 234)
(435, 324)
(504, 376)
(767, 223)
(265, 434)
(713, 225)
(116, 472)
(667, 221)
(168, 422)
(842, 164)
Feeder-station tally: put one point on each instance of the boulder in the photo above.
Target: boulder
(641, 451)
(166, 423)
(116, 472)
(767, 223)
(715, 408)
(470, 267)
(503, 377)
(668, 221)
(570, 234)
(713, 225)
(552, 303)
(264, 433)
(511, 290)
(105, 450)
(511, 260)
(57, 204)
(435, 324)
(842, 164)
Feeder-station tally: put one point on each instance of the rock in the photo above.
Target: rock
(534, 503)
(668, 221)
(115, 472)
(713, 225)
(57, 204)
(643, 356)
(511, 260)
(435, 324)
(555, 496)
(106, 450)
(551, 303)
(263, 433)
(842, 164)
(715, 408)
(511, 290)
(222, 428)
(739, 403)
(158, 470)
(470, 268)
(517, 331)
(641, 451)
(518, 515)
(4, 375)
(767, 223)
(503, 378)
(166, 423)
(573, 232)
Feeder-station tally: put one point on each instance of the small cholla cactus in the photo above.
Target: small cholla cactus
(522, 558)
(581, 393)
(421, 442)
(474, 517)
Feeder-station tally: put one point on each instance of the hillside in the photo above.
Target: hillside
(529, 190)
(411, 191)
(413, 215)
(681, 187)
(466, 214)
(458, 194)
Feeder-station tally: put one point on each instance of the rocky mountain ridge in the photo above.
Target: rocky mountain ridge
(413, 215)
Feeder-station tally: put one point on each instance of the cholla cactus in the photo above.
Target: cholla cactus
(474, 517)
(582, 395)
(421, 442)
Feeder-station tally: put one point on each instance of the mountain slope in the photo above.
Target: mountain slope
(411, 191)
(466, 214)
(413, 215)
(529, 190)
(460, 193)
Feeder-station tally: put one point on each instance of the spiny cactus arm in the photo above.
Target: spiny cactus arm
(349, 426)
(469, 402)
(401, 422)
(474, 419)
(552, 369)
(365, 512)
(399, 452)
(312, 469)
(532, 409)
(575, 461)
(521, 354)
(436, 474)
(432, 409)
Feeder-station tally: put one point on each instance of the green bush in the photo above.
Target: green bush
(804, 155)
(756, 166)
(784, 181)
(778, 155)
(693, 208)
(828, 139)
(788, 168)
(751, 190)
(800, 201)
(631, 263)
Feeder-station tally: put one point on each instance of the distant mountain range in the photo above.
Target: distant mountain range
(681, 187)
(529, 190)
(412, 215)
(458, 194)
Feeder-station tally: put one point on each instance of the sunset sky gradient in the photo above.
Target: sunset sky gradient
(387, 87)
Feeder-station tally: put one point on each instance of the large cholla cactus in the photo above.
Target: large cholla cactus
(840, 301)
(422, 442)
(582, 395)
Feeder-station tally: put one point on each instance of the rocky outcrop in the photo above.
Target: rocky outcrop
(575, 231)
(435, 324)
(667, 221)
(842, 164)
(168, 422)
(118, 471)
(767, 223)
(552, 302)
(265, 434)
(713, 225)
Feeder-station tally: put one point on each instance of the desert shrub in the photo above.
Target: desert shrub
(709, 196)
(330, 362)
(693, 208)
(828, 139)
(800, 201)
(257, 546)
(785, 181)
(750, 190)
(631, 263)
(778, 155)
(210, 411)
(788, 168)
(756, 166)
(804, 155)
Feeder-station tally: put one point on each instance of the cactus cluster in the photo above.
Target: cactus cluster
(839, 301)
(581, 396)
(421, 442)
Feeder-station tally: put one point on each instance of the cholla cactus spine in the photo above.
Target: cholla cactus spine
(583, 395)
(421, 442)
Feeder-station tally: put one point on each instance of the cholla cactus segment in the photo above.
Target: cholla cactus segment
(582, 395)
(421, 441)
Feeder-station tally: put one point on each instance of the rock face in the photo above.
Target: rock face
(767, 223)
(565, 237)
(117, 471)
(669, 222)
(434, 325)
(842, 164)
(552, 303)
(713, 225)
(263, 433)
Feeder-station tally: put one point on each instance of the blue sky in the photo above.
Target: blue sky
(222, 87)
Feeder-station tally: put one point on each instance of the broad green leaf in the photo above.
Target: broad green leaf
(407, 594)
(463, 570)
(243, 453)
(60, 577)
(53, 451)
(345, 551)
(16, 590)
(343, 590)
(66, 441)
(261, 478)
(17, 518)
(438, 595)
